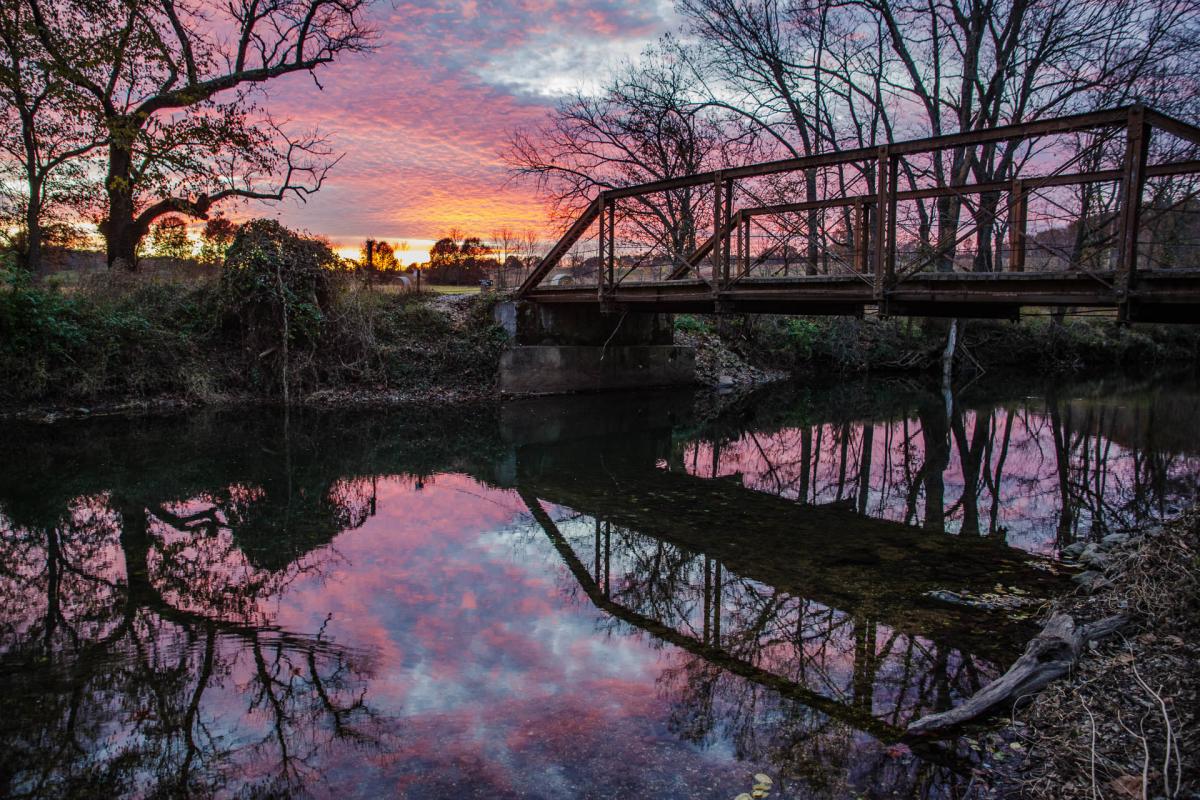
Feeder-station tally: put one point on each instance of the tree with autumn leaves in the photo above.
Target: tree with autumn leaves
(155, 107)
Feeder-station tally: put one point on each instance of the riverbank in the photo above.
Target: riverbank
(117, 342)
(848, 345)
(1125, 723)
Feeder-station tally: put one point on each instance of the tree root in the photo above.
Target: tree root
(1048, 656)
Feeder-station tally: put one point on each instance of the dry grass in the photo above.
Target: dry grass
(1125, 726)
(439, 289)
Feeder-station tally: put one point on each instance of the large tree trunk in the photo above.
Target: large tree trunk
(33, 210)
(810, 195)
(948, 210)
(989, 204)
(33, 227)
(121, 236)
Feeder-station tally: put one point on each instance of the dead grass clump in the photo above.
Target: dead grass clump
(1125, 725)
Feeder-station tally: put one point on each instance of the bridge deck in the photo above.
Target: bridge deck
(1160, 295)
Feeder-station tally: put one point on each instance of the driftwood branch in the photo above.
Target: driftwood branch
(1050, 655)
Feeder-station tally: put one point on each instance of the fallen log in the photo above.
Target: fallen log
(1048, 656)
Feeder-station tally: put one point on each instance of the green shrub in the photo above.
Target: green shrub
(276, 287)
(690, 324)
(99, 341)
(802, 336)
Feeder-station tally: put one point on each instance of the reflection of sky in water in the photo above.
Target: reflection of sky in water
(446, 641)
(490, 676)
(1015, 463)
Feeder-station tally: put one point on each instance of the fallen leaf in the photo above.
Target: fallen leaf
(1129, 786)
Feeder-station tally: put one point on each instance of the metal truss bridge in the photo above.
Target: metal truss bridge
(1092, 211)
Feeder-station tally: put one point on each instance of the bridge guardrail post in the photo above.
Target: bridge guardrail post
(715, 252)
(727, 227)
(600, 254)
(1133, 182)
(885, 225)
(610, 265)
(1018, 221)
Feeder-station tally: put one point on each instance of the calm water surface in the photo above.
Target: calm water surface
(589, 597)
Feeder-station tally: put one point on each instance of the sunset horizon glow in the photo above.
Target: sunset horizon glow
(422, 122)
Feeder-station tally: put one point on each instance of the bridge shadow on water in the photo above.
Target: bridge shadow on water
(779, 583)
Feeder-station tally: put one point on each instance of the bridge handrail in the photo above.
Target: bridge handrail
(1128, 116)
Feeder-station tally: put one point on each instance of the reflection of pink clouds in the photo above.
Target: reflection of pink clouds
(489, 677)
(1026, 472)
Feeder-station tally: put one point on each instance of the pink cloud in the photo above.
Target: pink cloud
(422, 121)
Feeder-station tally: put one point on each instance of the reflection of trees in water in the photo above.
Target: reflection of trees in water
(138, 573)
(142, 658)
(1058, 461)
(785, 680)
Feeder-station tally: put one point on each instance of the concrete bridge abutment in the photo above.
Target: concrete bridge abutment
(577, 347)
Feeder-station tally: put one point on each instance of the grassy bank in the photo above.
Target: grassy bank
(849, 345)
(280, 321)
(119, 338)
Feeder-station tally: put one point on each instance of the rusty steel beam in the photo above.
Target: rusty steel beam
(885, 195)
(703, 249)
(1172, 126)
(560, 249)
(1170, 295)
(1133, 183)
(1025, 130)
(1036, 182)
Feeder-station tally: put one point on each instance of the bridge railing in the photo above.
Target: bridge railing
(1077, 194)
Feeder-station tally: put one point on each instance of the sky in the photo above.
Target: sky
(423, 120)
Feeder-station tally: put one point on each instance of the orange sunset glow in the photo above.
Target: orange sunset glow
(423, 122)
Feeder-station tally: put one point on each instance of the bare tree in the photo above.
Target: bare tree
(643, 126)
(505, 242)
(808, 75)
(41, 144)
(174, 85)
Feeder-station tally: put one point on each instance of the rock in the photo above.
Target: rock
(1095, 560)
(1114, 539)
(724, 381)
(1074, 550)
(1090, 580)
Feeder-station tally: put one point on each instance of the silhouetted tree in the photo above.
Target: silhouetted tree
(43, 147)
(216, 236)
(169, 238)
(172, 85)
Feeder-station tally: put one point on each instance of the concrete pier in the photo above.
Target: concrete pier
(561, 349)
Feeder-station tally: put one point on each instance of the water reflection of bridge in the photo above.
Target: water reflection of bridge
(826, 607)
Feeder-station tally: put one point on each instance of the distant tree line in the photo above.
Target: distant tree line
(457, 259)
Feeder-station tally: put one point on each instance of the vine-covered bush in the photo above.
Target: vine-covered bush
(276, 289)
